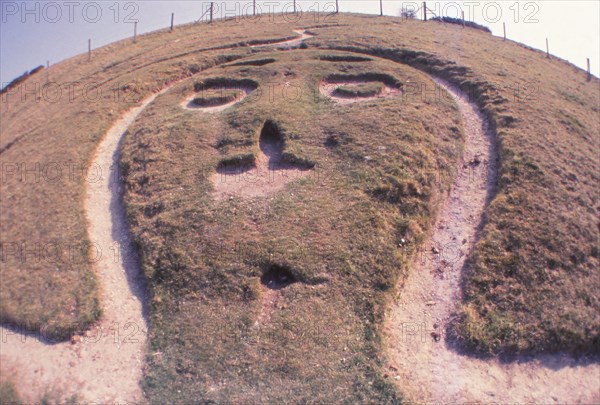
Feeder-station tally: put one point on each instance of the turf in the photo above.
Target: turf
(533, 281)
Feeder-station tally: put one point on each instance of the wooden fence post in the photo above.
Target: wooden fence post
(211, 11)
(504, 28)
(253, 7)
(48, 69)
(424, 11)
(134, 32)
(337, 7)
(172, 21)
(589, 77)
(89, 49)
(380, 7)
(462, 13)
(547, 49)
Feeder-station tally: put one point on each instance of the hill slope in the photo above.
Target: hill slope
(531, 284)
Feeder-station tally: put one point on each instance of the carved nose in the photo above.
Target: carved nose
(271, 140)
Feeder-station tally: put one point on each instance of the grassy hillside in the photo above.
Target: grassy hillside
(533, 281)
(47, 281)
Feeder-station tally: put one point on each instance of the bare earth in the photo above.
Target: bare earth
(420, 359)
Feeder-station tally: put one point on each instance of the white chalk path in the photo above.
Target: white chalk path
(106, 363)
(420, 361)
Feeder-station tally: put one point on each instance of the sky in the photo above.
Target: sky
(34, 32)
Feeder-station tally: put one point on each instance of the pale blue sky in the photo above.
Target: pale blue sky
(32, 32)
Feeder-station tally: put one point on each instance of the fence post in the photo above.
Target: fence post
(462, 13)
(424, 11)
(380, 7)
(337, 7)
(253, 7)
(504, 28)
(134, 32)
(211, 11)
(172, 20)
(89, 49)
(48, 68)
(547, 49)
(294, 6)
(589, 77)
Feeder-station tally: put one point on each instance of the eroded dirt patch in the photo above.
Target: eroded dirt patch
(215, 94)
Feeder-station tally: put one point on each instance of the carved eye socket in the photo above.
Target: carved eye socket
(353, 88)
(214, 95)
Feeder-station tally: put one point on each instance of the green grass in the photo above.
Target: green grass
(205, 258)
(215, 83)
(241, 159)
(458, 21)
(533, 280)
(58, 294)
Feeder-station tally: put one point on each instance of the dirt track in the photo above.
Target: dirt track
(421, 362)
(106, 363)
